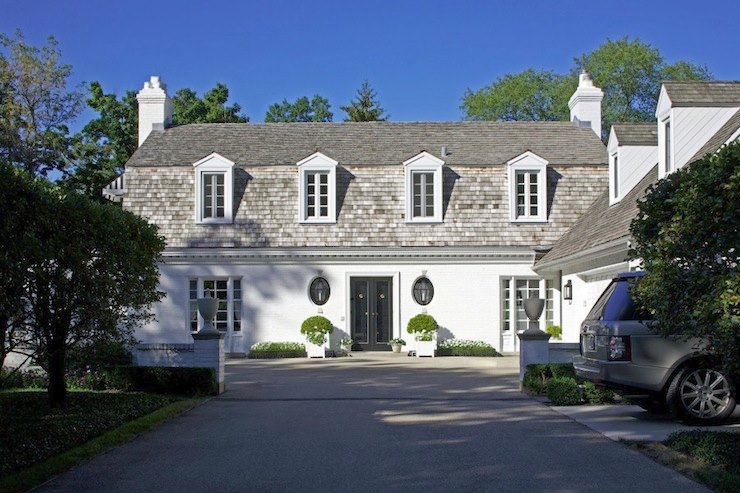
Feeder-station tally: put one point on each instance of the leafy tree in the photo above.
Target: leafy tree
(686, 234)
(189, 108)
(629, 73)
(365, 108)
(302, 110)
(528, 95)
(88, 270)
(101, 150)
(35, 105)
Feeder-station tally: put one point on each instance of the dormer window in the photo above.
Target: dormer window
(423, 174)
(214, 183)
(317, 189)
(528, 188)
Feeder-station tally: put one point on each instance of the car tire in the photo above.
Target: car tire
(701, 395)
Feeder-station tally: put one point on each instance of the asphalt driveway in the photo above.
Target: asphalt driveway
(371, 423)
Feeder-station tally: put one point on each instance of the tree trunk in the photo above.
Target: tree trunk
(4, 327)
(57, 390)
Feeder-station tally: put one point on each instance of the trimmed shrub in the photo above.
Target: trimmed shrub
(536, 376)
(461, 347)
(597, 395)
(563, 391)
(316, 329)
(423, 325)
(162, 380)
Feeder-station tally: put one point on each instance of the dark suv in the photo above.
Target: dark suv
(619, 351)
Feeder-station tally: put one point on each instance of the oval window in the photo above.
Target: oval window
(423, 291)
(319, 291)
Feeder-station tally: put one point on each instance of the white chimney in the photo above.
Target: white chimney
(155, 108)
(585, 104)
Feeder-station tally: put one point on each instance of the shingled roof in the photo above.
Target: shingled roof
(720, 137)
(636, 134)
(601, 224)
(703, 93)
(372, 143)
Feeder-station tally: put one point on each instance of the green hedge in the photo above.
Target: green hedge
(536, 376)
(177, 381)
(470, 351)
(563, 391)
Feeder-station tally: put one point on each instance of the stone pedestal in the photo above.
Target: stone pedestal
(209, 353)
(533, 348)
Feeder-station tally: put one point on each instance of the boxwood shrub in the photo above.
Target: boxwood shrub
(563, 391)
(164, 380)
(536, 376)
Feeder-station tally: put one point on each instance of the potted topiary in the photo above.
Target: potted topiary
(397, 344)
(424, 328)
(316, 329)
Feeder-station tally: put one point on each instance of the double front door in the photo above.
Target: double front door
(371, 312)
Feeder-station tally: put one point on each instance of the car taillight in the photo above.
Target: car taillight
(619, 348)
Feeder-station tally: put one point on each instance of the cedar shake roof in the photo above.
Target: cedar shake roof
(636, 134)
(719, 138)
(703, 93)
(371, 143)
(601, 224)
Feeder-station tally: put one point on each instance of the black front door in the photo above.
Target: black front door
(371, 312)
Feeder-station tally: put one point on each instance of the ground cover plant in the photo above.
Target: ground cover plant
(274, 350)
(710, 457)
(31, 432)
(463, 347)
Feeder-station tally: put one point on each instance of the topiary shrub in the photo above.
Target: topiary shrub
(423, 326)
(316, 329)
(563, 391)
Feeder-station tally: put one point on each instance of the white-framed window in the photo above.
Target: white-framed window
(423, 175)
(614, 184)
(667, 145)
(528, 188)
(229, 292)
(514, 290)
(214, 184)
(317, 185)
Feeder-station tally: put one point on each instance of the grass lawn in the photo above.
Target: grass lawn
(36, 443)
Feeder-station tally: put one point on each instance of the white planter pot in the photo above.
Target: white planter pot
(425, 348)
(315, 351)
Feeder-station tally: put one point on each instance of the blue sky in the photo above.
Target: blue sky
(420, 56)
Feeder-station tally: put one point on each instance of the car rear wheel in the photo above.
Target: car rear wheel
(702, 395)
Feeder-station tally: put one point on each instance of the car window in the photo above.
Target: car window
(616, 304)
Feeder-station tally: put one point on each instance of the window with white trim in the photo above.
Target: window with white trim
(214, 183)
(514, 291)
(423, 175)
(228, 291)
(528, 188)
(317, 194)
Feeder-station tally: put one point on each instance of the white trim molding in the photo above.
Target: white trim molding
(417, 172)
(526, 171)
(209, 168)
(319, 173)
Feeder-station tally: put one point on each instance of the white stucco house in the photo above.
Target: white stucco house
(694, 118)
(372, 223)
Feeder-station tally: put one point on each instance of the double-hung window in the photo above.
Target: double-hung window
(513, 293)
(214, 189)
(528, 188)
(317, 184)
(229, 293)
(423, 188)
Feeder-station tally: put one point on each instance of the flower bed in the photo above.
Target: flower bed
(274, 350)
(462, 347)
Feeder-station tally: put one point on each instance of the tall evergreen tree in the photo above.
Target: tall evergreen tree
(365, 108)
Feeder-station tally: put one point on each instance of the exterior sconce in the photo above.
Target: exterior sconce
(568, 291)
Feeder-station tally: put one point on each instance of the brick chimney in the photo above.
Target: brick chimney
(585, 104)
(155, 108)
